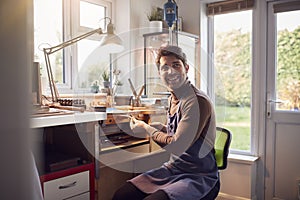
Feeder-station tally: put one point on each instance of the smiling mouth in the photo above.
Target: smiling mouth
(173, 79)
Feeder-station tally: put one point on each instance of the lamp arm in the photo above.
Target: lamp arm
(56, 48)
(53, 89)
(50, 50)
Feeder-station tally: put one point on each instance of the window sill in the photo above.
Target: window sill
(243, 159)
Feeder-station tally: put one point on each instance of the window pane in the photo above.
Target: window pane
(91, 15)
(288, 60)
(232, 80)
(48, 32)
(92, 61)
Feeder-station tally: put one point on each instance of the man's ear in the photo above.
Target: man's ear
(187, 67)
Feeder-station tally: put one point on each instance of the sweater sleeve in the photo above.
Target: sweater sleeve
(195, 114)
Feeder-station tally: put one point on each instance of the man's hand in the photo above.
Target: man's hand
(137, 124)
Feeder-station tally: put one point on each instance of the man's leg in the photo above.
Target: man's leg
(129, 191)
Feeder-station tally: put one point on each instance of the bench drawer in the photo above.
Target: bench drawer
(67, 186)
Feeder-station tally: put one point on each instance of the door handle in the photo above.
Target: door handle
(68, 185)
(271, 101)
(275, 101)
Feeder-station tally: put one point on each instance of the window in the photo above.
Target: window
(48, 31)
(56, 21)
(288, 60)
(231, 47)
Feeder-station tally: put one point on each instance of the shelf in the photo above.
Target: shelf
(166, 33)
(72, 170)
(65, 119)
(109, 146)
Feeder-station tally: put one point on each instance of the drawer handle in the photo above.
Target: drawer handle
(67, 186)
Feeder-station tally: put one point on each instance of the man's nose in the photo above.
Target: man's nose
(170, 70)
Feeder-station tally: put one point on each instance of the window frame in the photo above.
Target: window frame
(207, 41)
(71, 28)
(79, 30)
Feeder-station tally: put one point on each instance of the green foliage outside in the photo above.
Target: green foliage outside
(237, 120)
(90, 74)
(233, 85)
(233, 80)
(233, 68)
(288, 68)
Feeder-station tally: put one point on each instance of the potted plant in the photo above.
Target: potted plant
(156, 14)
(155, 18)
(95, 87)
(105, 78)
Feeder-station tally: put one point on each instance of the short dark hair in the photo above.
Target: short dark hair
(170, 50)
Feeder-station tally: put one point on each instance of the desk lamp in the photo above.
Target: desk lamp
(110, 41)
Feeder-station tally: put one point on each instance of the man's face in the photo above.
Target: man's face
(172, 71)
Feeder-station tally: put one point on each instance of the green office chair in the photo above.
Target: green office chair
(222, 143)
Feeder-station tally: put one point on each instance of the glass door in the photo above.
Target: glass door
(283, 95)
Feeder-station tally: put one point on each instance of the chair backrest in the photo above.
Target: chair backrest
(222, 143)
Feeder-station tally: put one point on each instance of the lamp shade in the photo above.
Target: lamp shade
(110, 41)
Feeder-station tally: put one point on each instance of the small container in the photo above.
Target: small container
(136, 102)
(95, 100)
(122, 100)
(110, 101)
(148, 101)
(99, 109)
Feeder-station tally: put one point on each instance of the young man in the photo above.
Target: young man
(191, 173)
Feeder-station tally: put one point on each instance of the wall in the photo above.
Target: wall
(16, 38)
(131, 23)
(238, 180)
(123, 60)
(191, 15)
(189, 11)
(139, 26)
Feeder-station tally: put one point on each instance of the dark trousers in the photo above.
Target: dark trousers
(129, 191)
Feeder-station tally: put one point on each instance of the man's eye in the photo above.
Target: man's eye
(176, 65)
(164, 68)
